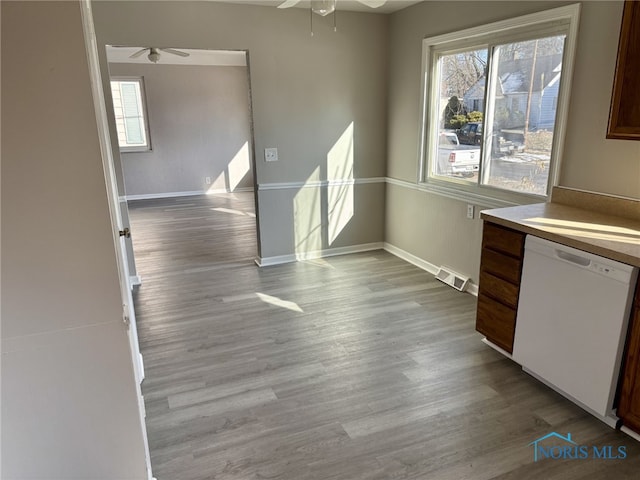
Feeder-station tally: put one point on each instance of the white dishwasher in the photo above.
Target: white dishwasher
(573, 312)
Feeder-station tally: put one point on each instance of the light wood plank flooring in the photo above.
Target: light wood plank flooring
(353, 367)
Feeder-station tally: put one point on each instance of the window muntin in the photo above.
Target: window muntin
(130, 114)
(506, 172)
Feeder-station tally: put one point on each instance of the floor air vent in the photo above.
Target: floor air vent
(453, 279)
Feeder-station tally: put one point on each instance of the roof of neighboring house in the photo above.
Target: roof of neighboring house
(515, 76)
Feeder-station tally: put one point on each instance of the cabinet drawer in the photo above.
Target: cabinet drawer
(498, 289)
(502, 266)
(503, 239)
(496, 321)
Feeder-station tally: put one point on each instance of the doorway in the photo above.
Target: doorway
(182, 118)
(181, 132)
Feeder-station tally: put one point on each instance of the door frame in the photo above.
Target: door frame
(128, 314)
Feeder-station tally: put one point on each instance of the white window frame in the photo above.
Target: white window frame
(528, 26)
(145, 116)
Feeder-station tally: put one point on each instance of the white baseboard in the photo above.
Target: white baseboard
(471, 289)
(328, 252)
(411, 258)
(631, 433)
(275, 260)
(135, 280)
(337, 182)
(150, 196)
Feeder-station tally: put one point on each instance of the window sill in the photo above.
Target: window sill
(479, 195)
(135, 150)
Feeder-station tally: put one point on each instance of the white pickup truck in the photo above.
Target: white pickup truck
(456, 159)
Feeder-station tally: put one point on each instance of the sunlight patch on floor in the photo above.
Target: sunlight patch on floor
(278, 302)
(234, 212)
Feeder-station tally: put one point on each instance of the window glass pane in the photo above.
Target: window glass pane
(460, 100)
(129, 113)
(132, 113)
(523, 105)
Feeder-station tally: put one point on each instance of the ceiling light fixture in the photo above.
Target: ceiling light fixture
(154, 55)
(323, 8)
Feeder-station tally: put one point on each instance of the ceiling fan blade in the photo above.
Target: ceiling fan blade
(373, 3)
(138, 53)
(174, 52)
(288, 3)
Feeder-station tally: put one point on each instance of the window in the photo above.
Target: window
(130, 113)
(502, 90)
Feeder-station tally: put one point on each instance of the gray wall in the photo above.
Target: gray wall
(199, 123)
(306, 92)
(69, 407)
(435, 228)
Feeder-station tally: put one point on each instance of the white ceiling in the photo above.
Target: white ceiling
(350, 5)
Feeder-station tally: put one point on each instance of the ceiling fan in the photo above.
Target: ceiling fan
(154, 53)
(325, 7)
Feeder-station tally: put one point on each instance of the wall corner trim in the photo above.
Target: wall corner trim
(313, 255)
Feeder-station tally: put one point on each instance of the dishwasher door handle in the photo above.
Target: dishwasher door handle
(570, 257)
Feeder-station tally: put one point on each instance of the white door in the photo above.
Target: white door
(119, 233)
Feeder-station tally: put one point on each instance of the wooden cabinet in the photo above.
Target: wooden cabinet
(500, 271)
(629, 393)
(624, 117)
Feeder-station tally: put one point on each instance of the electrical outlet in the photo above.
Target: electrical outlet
(207, 180)
(270, 154)
(470, 211)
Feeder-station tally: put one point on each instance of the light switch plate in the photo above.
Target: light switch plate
(270, 154)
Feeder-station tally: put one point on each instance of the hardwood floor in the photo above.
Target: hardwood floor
(353, 367)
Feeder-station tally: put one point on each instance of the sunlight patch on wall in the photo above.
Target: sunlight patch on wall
(237, 169)
(220, 183)
(340, 197)
(239, 166)
(278, 302)
(307, 217)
